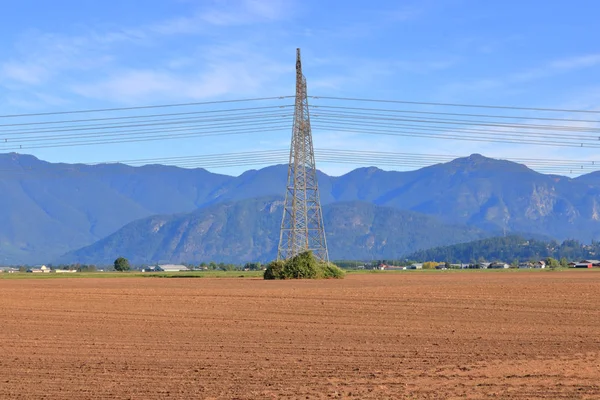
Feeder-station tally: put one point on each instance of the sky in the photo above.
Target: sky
(84, 54)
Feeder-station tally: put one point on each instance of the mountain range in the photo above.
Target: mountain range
(52, 209)
(248, 230)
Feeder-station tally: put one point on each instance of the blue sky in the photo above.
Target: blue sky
(64, 55)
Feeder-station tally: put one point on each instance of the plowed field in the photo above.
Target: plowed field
(407, 335)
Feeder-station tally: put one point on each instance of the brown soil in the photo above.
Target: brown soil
(408, 335)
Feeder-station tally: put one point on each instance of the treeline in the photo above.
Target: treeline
(209, 266)
(354, 264)
(509, 249)
(213, 266)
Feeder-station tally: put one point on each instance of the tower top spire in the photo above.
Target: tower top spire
(298, 63)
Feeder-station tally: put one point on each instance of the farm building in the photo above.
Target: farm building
(39, 270)
(171, 268)
(498, 265)
(539, 264)
(389, 267)
(583, 264)
(533, 264)
(595, 263)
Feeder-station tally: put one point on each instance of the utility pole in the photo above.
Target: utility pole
(302, 223)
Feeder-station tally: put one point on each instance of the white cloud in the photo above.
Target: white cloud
(567, 64)
(226, 14)
(218, 74)
(359, 73)
(548, 70)
(23, 72)
(43, 55)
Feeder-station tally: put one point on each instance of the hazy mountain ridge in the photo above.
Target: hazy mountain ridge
(49, 209)
(248, 230)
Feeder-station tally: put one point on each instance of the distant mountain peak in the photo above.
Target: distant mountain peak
(365, 171)
(372, 170)
(17, 159)
(478, 157)
(477, 161)
(17, 156)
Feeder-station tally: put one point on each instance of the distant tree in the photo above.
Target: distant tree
(122, 264)
(253, 266)
(87, 268)
(552, 263)
(227, 267)
(22, 269)
(564, 263)
(212, 265)
(430, 265)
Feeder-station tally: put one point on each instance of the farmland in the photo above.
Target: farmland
(438, 335)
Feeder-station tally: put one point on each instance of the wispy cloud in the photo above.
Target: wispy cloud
(357, 72)
(216, 70)
(45, 58)
(550, 69)
(225, 14)
(42, 57)
(405, 12)
(571, 63)
(23, 72)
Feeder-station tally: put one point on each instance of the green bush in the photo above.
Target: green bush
(274, 270)
(302, 266)
(332, 271)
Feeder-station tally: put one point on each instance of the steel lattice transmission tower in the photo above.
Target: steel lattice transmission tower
(302, 223)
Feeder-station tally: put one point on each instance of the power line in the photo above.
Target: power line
(456, 105)
(446, 136)
(318, 107)
(102, 130)
(154, 138)
(433, 132)
(337, 156)
(227, 110)
(144, 107)
(452, 121)
(360, 122)
(255, 120)
(436, 128)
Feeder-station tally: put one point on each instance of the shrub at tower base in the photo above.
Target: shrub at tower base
(302, 266)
